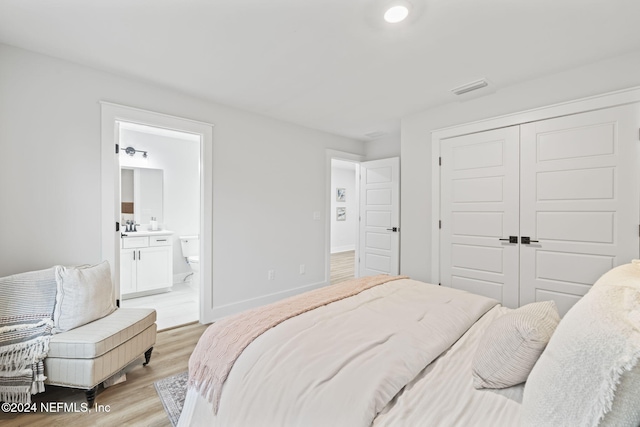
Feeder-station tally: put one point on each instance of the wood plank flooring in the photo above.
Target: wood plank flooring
(134, 402)
(342, 266)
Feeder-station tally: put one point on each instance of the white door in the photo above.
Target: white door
(479, 210)
(379, 217)
(579, 202)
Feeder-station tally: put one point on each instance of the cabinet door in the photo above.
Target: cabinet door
(479, 207)
(154, 268)
(128, 258)
(579, 202)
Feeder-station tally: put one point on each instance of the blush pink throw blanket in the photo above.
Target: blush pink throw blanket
(223, 342)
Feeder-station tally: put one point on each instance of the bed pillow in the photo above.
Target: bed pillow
(512, 344)
(589, 375)
(84, 294)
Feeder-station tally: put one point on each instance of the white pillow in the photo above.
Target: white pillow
(84, 294)
(512, 344)
(589, 373)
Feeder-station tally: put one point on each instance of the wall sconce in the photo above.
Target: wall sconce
(132, 151)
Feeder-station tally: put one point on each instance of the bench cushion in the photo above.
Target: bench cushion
(87, 373)
(100, 336)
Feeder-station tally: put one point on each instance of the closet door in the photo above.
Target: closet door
(579, 202)
(479, 210)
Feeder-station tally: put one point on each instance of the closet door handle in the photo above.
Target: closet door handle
(527, 240)
(139, 256)
(512, 239)
(134, 255)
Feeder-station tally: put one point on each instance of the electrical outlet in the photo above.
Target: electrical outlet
(316, 216)
(302, 269)
(271, 275)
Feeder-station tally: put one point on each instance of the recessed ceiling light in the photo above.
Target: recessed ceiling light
(396, 14)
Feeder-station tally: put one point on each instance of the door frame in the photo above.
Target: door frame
(598, 102)
(348, 157)
(110, 175)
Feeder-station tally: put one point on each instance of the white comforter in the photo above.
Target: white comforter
(340, 364)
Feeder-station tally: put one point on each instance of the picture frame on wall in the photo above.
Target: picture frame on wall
(341, 214)
(341, 194)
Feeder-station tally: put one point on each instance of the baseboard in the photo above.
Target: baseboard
(229, 309)
(345, 248)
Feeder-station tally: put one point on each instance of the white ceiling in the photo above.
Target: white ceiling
(333, 65)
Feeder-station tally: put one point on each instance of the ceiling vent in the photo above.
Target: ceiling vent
(375, 135)
(478, 84)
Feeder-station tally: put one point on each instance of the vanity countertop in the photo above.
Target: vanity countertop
(144, 233)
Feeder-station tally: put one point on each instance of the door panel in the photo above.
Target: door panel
(479, 206)
(127, 271)
(154, 268)
(379, 214)
(579, 199)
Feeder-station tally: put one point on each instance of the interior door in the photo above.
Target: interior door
(479, 204)
(379, 217)
(579, 201)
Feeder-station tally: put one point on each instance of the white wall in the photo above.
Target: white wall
(344, 233)
(179, 160)
(610, 75)
(382, 148)
(268, 179)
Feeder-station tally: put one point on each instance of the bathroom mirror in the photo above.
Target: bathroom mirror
(141, 194)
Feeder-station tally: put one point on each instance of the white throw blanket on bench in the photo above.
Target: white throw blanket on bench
(25, 328)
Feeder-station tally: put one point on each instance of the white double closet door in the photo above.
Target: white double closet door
(539, 211)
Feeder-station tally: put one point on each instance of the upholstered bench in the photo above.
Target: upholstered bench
(86, 356)
(61, 326)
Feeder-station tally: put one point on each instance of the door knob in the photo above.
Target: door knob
(512, 239)
(394, 229)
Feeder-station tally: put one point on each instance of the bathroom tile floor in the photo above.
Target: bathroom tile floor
(178, 307)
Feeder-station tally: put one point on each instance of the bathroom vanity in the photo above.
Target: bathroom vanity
(146, 263)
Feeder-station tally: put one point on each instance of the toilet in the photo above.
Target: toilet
(191, 253)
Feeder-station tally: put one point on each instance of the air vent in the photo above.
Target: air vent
(375, 135)
(478, 84)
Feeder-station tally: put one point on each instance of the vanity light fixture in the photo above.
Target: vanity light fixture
(132, 151)
(396, 14)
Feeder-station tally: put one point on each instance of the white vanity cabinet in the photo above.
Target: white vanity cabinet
(146, 263)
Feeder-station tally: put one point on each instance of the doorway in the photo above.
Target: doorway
(160, 195)
(344, 219)
(375, 210)
(112, 116)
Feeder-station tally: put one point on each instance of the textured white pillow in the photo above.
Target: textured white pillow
(512, 344)
(589, 373)
(84, 294)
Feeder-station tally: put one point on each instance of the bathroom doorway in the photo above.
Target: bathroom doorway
(160, 205)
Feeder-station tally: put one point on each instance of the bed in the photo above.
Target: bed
(392, 351)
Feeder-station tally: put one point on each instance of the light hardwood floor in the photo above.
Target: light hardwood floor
(134, 402)
(342, 266)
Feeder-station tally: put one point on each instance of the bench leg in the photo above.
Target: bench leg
(147, 356)
(91, 396)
